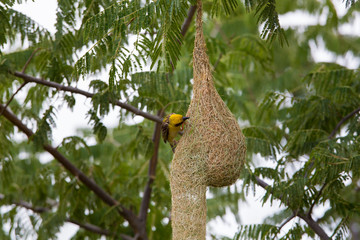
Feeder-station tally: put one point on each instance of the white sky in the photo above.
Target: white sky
(43, 12)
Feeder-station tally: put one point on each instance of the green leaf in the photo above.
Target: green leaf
(43, 134)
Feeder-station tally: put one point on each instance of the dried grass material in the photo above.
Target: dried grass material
(210, 153)
(188, 198)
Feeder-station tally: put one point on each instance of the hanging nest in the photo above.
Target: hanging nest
(210, 153)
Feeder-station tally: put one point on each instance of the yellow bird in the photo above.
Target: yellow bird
(170, 127)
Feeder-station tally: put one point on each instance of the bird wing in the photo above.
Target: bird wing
(165, 128)
(165, 131)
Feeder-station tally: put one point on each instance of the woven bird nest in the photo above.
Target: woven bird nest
(210, 153)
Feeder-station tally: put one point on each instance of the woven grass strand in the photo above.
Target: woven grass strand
(210, 153)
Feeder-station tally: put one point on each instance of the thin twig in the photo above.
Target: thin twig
(344, 119)
(29, 60)
(24, 83)
(316, 199)
(12, 97)
(286, 221)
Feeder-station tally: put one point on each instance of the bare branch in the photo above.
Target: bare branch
(104, 196)
(60, 87)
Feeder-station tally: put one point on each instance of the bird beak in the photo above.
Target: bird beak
(185, 118)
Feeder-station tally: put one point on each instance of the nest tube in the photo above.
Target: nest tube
(210, 153)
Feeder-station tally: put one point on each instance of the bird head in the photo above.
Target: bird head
(177, 119)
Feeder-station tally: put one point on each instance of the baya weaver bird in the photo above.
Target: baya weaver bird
(170, 127)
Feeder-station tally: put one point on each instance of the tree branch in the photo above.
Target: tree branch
(307, 218)
(286, 221)
(186, 24)
(27, 205)
(314, 226)
(332, 135)
(130, 108)
(104, 196)
(262, 183)
(151, 173)
(87, 226)
(32, 208)
(91, 227)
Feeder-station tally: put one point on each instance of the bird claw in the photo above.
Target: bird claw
(173, 146)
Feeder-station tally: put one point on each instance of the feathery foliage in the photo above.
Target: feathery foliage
(300, 117)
